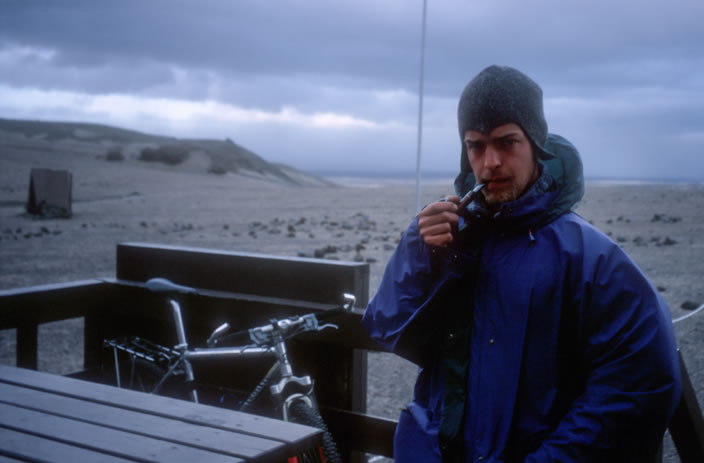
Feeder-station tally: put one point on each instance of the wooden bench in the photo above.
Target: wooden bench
(46, 417)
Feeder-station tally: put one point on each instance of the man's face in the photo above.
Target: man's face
(503, 160)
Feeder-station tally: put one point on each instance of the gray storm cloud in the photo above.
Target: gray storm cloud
(332, 86)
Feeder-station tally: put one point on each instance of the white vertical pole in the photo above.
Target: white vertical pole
(420, 107)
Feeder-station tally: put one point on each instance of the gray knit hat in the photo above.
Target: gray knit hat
(501, 95)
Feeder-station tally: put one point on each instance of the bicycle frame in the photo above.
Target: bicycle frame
(269, 341)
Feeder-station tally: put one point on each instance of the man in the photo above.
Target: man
(538, 339)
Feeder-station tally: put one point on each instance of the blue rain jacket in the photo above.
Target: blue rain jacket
(538, 339)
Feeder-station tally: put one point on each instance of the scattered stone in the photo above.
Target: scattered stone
(667, 242)
(370, 260)
(226, 227)
(304, 254)
(44, 230)
(689, 305)
(662, 289)
(639, 241)
(665, 218)
(143, 224)
(358, 258)
(388, 247)
(359, 247)
(621, 239)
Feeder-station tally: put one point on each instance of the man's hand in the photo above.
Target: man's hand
(437, 220)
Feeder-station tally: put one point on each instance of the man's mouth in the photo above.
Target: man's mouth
(496, 182)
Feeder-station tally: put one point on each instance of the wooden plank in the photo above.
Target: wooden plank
(6, 459)
(364, 433)
(101, 439)
(227, 442)
(687, 424)
(315, 280)
(296, 437)
(48, 303)
(19, 446)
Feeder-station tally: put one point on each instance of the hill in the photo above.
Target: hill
(114, 144)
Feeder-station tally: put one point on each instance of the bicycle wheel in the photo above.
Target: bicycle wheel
(302, 413)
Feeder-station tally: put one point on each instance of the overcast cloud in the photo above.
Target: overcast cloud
(333, 86)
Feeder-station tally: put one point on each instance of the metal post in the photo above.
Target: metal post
(420, 107)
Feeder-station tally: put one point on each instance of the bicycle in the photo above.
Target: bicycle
(158, 369)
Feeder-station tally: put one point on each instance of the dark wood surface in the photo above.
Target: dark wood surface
(46, 417)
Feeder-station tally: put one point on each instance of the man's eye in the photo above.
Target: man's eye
(507, 142)
(474, 146)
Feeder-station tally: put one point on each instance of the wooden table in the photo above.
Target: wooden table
(46, 417)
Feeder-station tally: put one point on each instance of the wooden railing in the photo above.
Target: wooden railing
(241, 288)
(247, 289)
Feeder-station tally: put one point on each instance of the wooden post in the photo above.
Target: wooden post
(27, 345)
(687, 425)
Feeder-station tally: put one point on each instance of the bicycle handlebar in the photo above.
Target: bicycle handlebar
(275, 331)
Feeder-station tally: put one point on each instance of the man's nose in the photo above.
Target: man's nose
(492, 159)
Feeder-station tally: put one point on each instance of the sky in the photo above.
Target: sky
(333, 86)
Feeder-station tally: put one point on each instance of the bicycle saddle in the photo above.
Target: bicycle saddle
(164, 286)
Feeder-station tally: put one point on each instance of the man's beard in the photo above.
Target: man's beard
(494, 198)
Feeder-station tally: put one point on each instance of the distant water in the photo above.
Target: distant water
(377, 180)
(645, 181)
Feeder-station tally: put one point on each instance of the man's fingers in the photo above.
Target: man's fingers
(439, 207)
(435, 222)
(439, 240)
(446, 217)
(437, 229)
